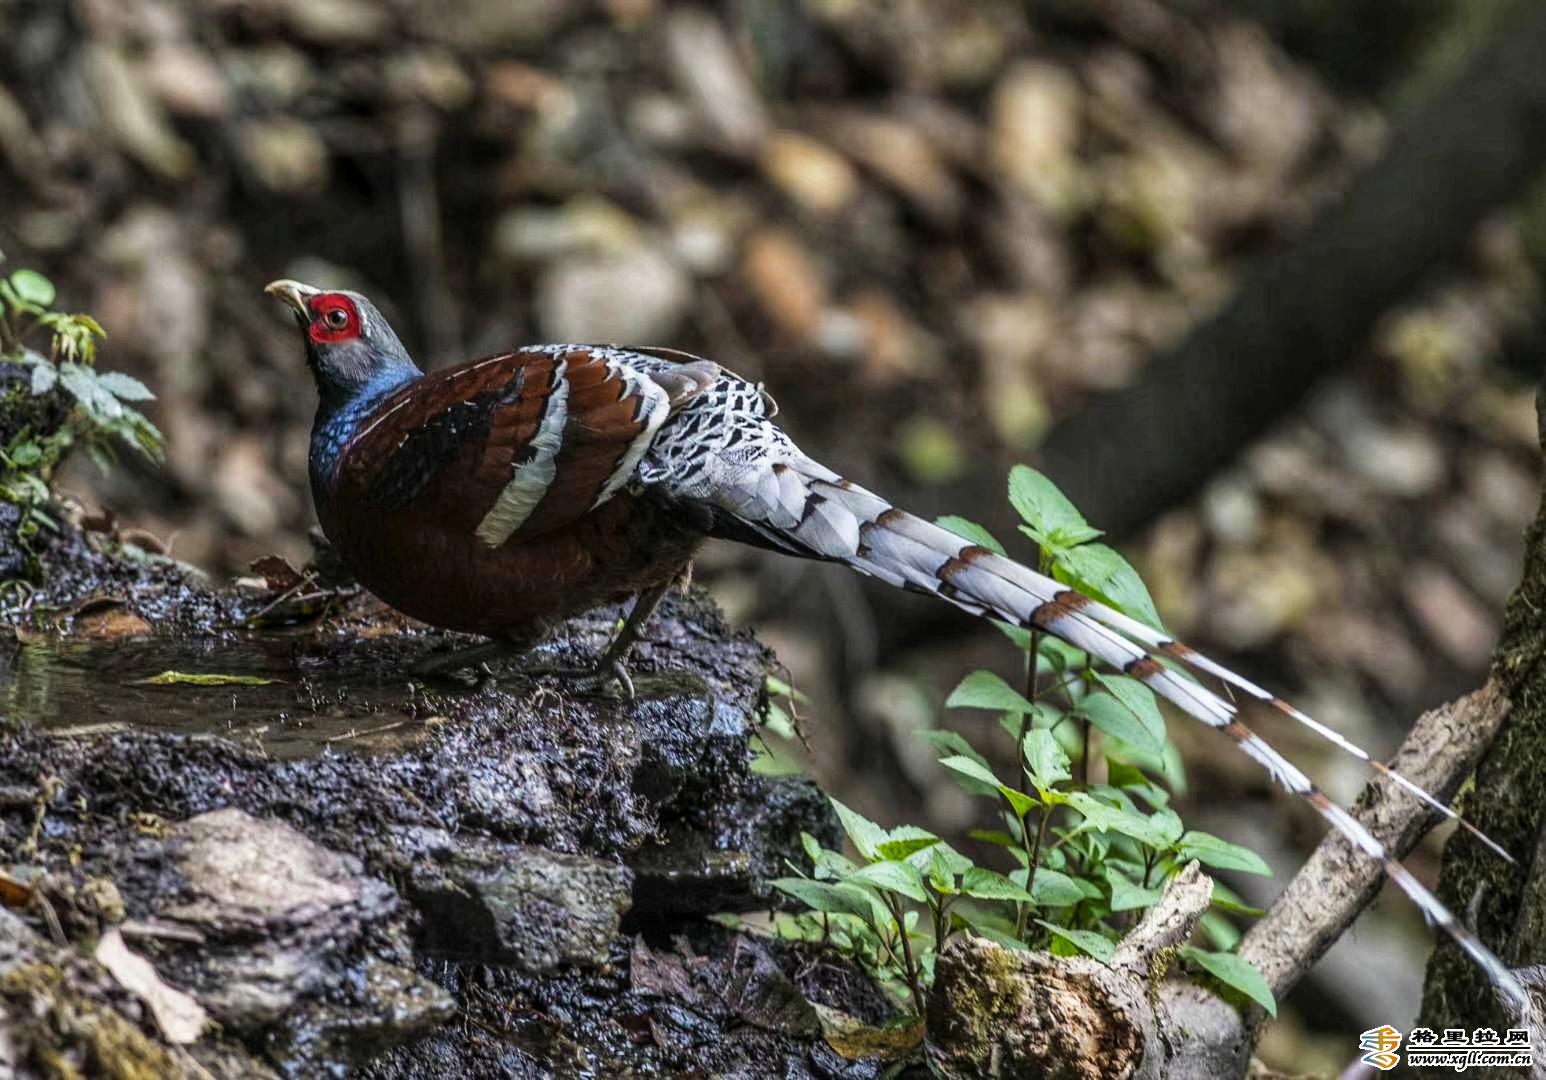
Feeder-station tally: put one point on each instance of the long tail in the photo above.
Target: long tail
(801, 506)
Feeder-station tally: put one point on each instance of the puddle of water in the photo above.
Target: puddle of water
(80, 689)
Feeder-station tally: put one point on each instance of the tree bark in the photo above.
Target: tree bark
(1505, 904)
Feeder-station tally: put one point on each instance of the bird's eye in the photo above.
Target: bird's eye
(337, 319)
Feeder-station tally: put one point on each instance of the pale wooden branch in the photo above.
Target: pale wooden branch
(1338, 881)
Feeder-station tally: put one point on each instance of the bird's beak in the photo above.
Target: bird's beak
(295, 294)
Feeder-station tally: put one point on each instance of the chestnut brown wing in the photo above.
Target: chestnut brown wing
(511, 446)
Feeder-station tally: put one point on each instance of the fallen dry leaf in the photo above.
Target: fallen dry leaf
(276, 572)
(179, 1017)
(854, 1040)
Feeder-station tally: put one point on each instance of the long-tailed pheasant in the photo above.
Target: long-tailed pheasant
(501, 495)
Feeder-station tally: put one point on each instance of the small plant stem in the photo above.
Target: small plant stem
(1084, 756)
(911, 965)
(941, 922)
(1033, 854)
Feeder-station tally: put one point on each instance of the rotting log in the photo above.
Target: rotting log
(1000, 1012)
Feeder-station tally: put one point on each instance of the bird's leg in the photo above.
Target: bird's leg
(473, 656)
(613, 663)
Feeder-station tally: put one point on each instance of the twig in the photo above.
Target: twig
(1337, 882)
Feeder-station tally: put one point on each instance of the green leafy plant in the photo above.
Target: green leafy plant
(57, 399)
(1084, 826)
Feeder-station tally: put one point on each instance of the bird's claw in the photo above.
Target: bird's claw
(607, 671)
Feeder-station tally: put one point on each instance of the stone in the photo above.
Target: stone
(389, 1005)
(526, 906)
(273, 906)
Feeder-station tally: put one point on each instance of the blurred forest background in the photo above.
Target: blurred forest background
(939, 230)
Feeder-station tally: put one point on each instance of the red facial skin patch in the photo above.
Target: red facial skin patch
(322, 329)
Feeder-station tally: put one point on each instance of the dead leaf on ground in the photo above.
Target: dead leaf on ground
(277, 573)
(179, 1017)
(854, 1040)
(193, 678)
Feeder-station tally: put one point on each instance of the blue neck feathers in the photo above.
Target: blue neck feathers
(337, 422)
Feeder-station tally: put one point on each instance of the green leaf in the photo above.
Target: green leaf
(864, 833)
(1046, 509)
(832, 898)
(1103, 818)
(993, 836)
(1053, 888)
(1140, 701)
(1224, 934)
(941, 878)
(1085, 941)
(1220, 854)
(985, 690)
(124, 387)
(779, 688)
(1167, 824)
(952, 742)
(778, 722)
(1225, 899)
(33, 288)
(953, 859)
(1117, 720)
(970, 530)
(1061, 656)
(184, 678)
(1045, 760)
(983, 884)
(903, 841)
(972, 770)
(897, 877)
(1234, 972)
(26, 455)
(1019, 801)
(1127, 894)
(1100, 572)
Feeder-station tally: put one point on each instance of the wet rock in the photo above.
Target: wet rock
(722, 862)
(389, 1005)
(248, 832)
(525, 906)
(686, 732)
(62, 1014)
(243, 878)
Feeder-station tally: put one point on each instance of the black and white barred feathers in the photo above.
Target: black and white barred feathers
(722, 450)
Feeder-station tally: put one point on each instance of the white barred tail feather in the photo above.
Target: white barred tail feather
(708, 441)
(726, 452)
(906, 550)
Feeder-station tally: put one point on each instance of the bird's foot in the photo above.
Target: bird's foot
(463, 668)
(608, 671)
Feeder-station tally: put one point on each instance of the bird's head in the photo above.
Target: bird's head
(350, 346)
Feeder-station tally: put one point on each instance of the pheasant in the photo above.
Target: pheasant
(504, 494)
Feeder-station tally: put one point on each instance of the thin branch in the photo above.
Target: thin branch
(1338, 881)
